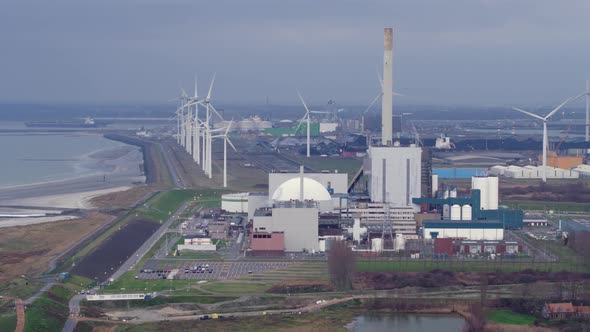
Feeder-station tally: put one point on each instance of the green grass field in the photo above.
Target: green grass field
(161, 300)
(235, 287)
(488, 266)
(509, 317)
(545, 206)
(8, 322)
(128, 282)
(50, 311)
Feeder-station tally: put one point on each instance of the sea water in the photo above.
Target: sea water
(29, 158)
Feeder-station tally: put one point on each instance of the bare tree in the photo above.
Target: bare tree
(476, 319)
(483, 288)
(341, 265)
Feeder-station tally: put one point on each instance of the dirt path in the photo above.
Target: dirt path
(20, 315)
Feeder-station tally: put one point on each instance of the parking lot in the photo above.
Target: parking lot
(205, 270)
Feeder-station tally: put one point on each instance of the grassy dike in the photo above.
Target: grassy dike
(50, 311)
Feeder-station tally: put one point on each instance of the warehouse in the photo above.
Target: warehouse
(449, 246)
(479, 230)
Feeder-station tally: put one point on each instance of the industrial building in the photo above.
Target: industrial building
(450, 247)
(533, 172)
(583, 171)
(377, 215)
(394, 174)
(235, 203)
(483, 207)
(268, 244)
(298, 221)
(479, 230)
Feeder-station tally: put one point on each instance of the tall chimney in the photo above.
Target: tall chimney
(387, 97)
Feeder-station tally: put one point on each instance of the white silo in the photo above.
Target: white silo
(400, 242)
(446, 211)
(492, 193)
(434, 184)
(446, 194)
(466, 212)
(377, 245)
(456, 212)
(453, 193)
(481, 183)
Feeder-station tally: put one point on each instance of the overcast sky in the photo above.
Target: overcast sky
(445, 52)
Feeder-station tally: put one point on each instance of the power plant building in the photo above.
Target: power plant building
(298, 221)
(394, 174)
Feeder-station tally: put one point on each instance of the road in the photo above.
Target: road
(171, 167)
(74, 303)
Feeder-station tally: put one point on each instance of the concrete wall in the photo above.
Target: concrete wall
(300, 226)
(197, 247)
(256, 201)
(490, 234)
(237, 203)
(395, 175)
(338, 181)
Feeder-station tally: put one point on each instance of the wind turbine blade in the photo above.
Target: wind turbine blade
(557, 108)
(529, 113)
(231, 144)
(371, 104)
(183, 93)
(229, 126)
(215, 111)
(303, 101)
(580, 95)
(299, 125)
(397, 94)
(196, 90)
(211, 87)
(379, 78)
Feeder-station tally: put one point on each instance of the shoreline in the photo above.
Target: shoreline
(102, 171)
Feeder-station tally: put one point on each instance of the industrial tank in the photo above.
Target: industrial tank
(400, 242)
(453, 193)
(481, 183)
(466, 212)
(456, 212)
(492, 193)
(377, 245)
(446, 211)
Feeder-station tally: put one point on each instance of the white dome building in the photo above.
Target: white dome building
(290, 190)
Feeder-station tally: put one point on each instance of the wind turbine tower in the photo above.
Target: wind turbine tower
(545, 136)
(387, 97)
(587, 111)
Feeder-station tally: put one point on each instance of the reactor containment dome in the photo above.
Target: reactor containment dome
(291, 190)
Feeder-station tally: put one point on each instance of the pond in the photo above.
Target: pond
(407, 322)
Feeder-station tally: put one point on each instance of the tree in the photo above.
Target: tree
(476, 319)
(341, 265)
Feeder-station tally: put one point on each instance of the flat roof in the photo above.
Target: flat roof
(463, 224)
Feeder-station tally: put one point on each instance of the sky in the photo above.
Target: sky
(454, 52)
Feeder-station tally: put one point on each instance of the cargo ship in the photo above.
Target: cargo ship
(87, 123)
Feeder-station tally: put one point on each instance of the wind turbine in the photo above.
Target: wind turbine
(181, 118)
(196, 145)
(308, 116)
(545, 137)
(374, 101)
(225, 141)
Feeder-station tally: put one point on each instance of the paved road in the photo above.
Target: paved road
(74, 303)
(171, 167)
(41, 291)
